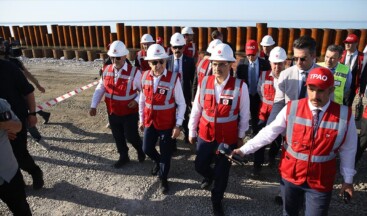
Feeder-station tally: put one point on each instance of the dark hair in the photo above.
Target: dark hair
(305, 42)
(215, 34)
(335, 48)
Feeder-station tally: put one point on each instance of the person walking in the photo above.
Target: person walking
(220, 114)
(120, 84)
(316, 129)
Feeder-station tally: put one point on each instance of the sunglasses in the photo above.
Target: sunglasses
(117, 58)
(298, 58)
(156, 62)
(177, 47)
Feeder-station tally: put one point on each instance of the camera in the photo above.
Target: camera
(5, 116)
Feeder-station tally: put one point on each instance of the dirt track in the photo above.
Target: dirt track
(77, 152)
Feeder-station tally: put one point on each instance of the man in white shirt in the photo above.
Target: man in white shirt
(316, 129)
(221, 112)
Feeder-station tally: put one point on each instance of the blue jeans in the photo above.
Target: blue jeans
(317, 203)
(163, 158)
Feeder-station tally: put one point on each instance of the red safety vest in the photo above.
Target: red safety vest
(119, 95)
(267, 94)
(142, 64)
(203, 69)
(365, 113)
(219, 121)
(160, 106)
(308, 159)
(190, 50)
(359, 67)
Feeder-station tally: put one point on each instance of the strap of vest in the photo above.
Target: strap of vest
(121, 98)
(202, 89)
(304, 157)
(160, 107)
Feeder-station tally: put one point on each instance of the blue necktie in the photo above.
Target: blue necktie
(253, 83)
(177, 66)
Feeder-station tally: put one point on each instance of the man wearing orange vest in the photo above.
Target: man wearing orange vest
(357, 63)
(119, 84)
(204, 67)
(316, 130)
(161, 111)
(145, 41)
(221, 112)
(268, 82)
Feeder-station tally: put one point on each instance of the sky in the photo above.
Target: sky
(215, 13)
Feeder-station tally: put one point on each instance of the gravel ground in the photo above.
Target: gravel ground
(77, 151)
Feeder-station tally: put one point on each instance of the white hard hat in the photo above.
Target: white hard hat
(277, 54)
(177, 39)
(222, 52)
(156, 51)
(147, 38)
(212, 45)
(267, 41)
(117, 49)
(187, 30)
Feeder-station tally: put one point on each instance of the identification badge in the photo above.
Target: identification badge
(162, 90)
(226, 100)
(337, 83)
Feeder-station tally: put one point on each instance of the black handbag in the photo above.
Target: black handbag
(359, 109)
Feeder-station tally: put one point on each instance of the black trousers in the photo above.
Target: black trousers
(254, 111)
(13, 194)
(125, 128)
(205, 153)
(21, 153)
(362, 144)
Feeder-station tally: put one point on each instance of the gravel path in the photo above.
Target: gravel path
(77, 152)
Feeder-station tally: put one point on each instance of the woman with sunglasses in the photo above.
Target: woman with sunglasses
(161, 110)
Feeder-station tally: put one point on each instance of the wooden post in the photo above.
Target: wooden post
(293, 35)
(21, 35)
(251, 34)
(151, 31)
(167, 31)
(92, 36)
(44, 32)
(55, 36)
(86, 40)
(203, 39)
(106, 30)
(128, 36)
(15, 32)
(73, 38)
(274, 32)
(240, 39)
(67, 35)
(50, 42)
(120, 31)
(142, 30)
(32, 36)
(317, 34)
(341, 34)
(135, 37)
(26, 36)
(60, 33)
(79, 36)
(231, 37)
(261, 31)
(113, 36)
(326, 41)
(99, 37)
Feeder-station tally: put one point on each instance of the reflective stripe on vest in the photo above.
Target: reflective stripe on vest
(266, 82)
(339, 126)
(340, 80)
(235, 93)
(170, 85)
(130, 82)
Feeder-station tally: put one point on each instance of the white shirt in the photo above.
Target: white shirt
(179, 66)
(218, 88)
(178, 96)
(100, 89)
(354, 56)
(347, 151)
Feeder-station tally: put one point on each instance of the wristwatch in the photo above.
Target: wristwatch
(32, 113)
(179, 126)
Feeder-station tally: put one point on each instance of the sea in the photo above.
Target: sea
(206, 23)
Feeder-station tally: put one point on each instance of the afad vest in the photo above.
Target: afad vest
(160, 106)
(359, 63)
(340, 79)
(119, 95)
(308, 159)
(203, 69)
(267, 93)
(219, 121)
(190, 50)
(143, 64)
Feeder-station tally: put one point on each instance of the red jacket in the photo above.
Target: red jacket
(308, 159)
(219, 121)
(160, 107)
(267, 94)
(190, 50)
(119, 95)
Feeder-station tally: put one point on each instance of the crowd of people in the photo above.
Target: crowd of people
(303, 111)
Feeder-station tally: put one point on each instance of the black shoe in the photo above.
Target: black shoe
(37, 177)
(141, 157)
(46, 117)
(38, 138)
(155, 169)
(206, 183)
(164, 186)
(278, 200)
(218, 209)
(121, 162)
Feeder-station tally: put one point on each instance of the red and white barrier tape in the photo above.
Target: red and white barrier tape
(65, 96)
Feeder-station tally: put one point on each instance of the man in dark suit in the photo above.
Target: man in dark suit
(185, 66)
(250, 72)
